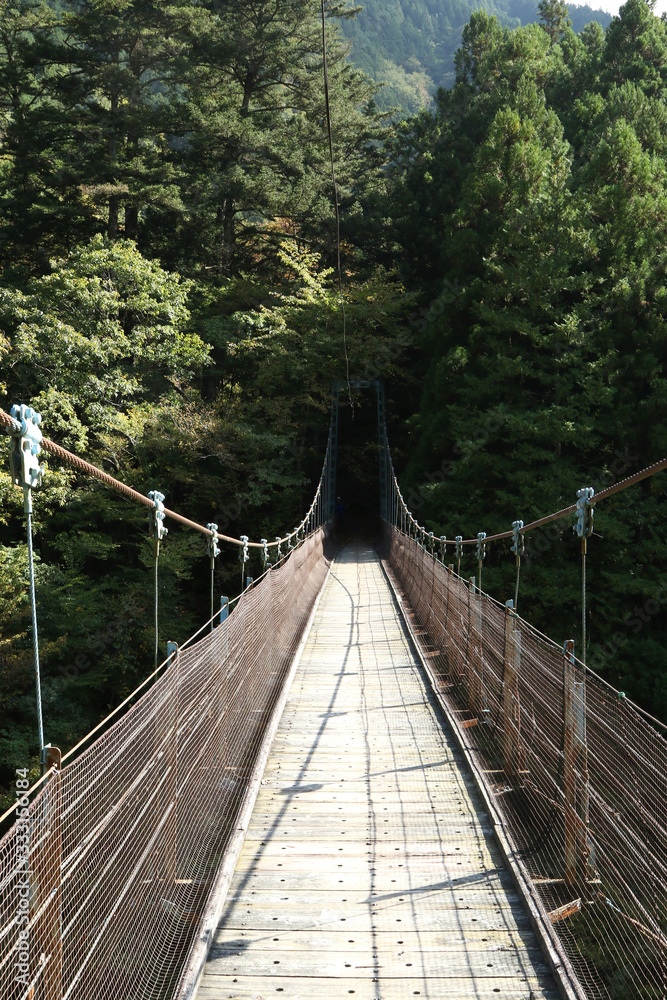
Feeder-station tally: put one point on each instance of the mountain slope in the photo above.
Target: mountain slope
(409, 45)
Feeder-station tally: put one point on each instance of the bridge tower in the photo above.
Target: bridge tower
(336, 387)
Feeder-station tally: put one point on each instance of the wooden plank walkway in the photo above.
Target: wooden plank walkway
(369, 869)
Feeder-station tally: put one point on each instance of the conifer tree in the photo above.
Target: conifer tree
(555, 18)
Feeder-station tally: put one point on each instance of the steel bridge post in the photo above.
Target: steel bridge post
(171, 761)
(578, 849)
(333, 455)
(475, 650)
(382, 441)
(511, 706)
(47, 875)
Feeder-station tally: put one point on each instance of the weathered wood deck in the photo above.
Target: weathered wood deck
(369, 869)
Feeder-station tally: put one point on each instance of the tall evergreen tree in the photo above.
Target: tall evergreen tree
(258, 151)
(126, 64)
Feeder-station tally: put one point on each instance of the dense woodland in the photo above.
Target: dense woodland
(168, 302)
(410, 45)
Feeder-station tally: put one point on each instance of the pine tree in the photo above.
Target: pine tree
(126, 62)
(258, 153)
(35, 210)
(555, 18)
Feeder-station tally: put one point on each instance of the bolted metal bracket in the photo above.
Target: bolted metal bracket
(212, 542)
(585, 511)
(518, 546)
(25, 447)
(157, 528)
(50, 757)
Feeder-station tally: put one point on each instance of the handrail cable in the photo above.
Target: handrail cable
(646, 473)
(13, 426)
(334, 186)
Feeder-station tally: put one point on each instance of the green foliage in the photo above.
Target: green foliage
(409, 46)
(196, 130)
(102, 329)
(531, 208)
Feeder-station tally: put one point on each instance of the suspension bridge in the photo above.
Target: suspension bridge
(363, 777)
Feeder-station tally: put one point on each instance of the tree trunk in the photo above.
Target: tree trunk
(228, 235)
(131, 222)
(112, 153)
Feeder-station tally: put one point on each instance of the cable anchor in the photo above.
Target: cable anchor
(25, 448)
(212, 541)
(585, 511)
(157, 527)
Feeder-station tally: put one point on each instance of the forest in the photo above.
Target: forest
(409, 45)
(168, 302)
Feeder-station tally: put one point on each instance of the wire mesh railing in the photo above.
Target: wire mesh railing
(106, 873)
(578, 774)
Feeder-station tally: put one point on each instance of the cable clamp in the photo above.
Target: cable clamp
(431, 542)
(481, 546)
(25, 447)
(157, 527)
(443, 548)
(212, 541)
(279, 554)
(243, 557)
(585, 511)
(459, 546)
(519, 545)
(265, 551)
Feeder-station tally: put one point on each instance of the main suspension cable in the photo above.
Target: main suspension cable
(413, 524)
(334, 187)
(67, 457)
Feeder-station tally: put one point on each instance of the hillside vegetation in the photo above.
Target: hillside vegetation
(409, 45)
(168, 302)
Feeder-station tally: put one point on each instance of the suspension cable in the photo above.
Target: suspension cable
(624, 484)
(67, 457)
(33, 608)
(334, 187)
(584, 547)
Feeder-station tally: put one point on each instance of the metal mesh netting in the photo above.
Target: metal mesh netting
(124, 844)
(579, 776)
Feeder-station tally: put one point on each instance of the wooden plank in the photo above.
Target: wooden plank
(395, 964)
(368, 869)
(410, 942)
(316, 915)
(293, 988)
(368, 863)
